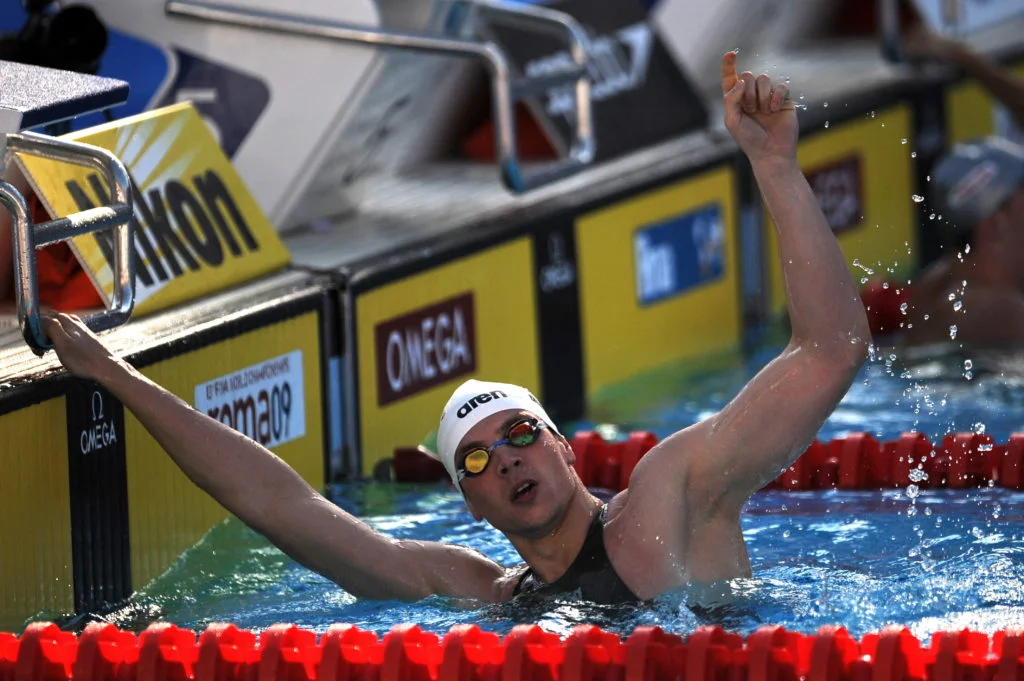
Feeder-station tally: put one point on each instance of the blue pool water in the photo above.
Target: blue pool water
(931, 561)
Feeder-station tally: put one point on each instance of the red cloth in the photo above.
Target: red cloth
(63, 284)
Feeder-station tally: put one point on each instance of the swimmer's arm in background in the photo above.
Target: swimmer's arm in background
(269, 496)
(711, 468)
(1000, 82)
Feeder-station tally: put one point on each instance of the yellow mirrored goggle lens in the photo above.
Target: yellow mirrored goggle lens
(476, 461)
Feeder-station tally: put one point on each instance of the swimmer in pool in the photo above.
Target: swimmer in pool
(977, 286)
(677, 523)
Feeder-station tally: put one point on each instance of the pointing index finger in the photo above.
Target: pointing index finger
(729, 76)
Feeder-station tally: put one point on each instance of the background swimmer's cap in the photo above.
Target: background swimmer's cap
(472, 402)
(973, 180)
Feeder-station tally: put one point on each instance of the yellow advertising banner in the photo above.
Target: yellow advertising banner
(659, 280)
(266, 384)
(198, 228)
(420, 337)
(971, 112)
(862, 174)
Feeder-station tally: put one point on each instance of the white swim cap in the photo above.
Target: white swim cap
(472, 402)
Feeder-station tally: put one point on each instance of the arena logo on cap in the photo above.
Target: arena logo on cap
(467, 408)
(424, 348)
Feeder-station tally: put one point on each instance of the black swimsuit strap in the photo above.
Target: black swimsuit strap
(594, 538)
(591, 571)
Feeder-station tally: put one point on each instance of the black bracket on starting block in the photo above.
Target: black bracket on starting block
(41, 96)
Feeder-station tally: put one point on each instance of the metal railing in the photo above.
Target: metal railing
(506, 90)
(28, 237)
(889, 29)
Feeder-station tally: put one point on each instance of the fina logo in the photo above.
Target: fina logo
(678, 254)
(655, 269)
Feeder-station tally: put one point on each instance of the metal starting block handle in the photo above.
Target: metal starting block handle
(505, 90)
(27, 237)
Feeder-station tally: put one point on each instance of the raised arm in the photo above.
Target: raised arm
(714, 466)
(269, 496)
(1000, 82)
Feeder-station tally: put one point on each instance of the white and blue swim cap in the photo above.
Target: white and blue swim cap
(471, 403)
(973, 180)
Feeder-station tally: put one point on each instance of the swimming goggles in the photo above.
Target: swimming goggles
(520, 434)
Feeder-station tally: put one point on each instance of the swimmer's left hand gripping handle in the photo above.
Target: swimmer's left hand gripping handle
(28, 237)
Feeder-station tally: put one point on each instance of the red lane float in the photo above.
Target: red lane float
(855, 462)
(285, 652)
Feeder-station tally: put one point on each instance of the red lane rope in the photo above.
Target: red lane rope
(284, 652)
(855, 462)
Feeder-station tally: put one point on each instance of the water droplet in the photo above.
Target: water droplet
(903, 141)
(863, 280)
(913, 154)
(917, 198)
(913, 491)
(967, 248)
(926, 317)
(872, 114)
(968, 364)
(917, 475)
(951, 297)
(986, 447)
(927, 511)
(826, 124)
(903, 308)
(977, 532)
(958, 305)
(786, 534)
(825, 105)
(952, 332)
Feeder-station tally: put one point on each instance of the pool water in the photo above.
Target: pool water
(930, 560)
